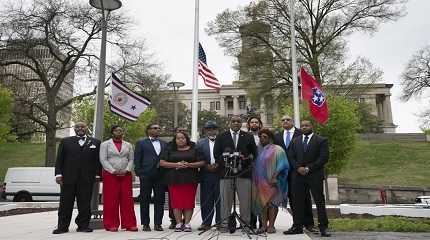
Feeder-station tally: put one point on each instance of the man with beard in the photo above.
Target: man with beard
(283, 139)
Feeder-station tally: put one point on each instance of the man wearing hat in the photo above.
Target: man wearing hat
(209, 186)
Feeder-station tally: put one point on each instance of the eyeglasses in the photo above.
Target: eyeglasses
(155, 128)
(286, 119)
(236, 121)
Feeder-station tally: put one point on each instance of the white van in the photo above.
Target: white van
(26, 184)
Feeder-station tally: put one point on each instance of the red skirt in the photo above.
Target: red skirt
(183, 196)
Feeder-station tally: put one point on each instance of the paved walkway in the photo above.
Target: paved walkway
(37, 226)
(376, 236)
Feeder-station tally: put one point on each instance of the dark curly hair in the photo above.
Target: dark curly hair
(268, 133)
(187, 138)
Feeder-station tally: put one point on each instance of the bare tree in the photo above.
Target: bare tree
(416, 76)
(321, 27)
(45, 44)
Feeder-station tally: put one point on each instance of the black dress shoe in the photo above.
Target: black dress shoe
(324, 233)
(146, 228)
(60, 231)
(204, 227)
(172, 225)
(158, 228)
(86, 230)
(312, 229)
(294, 230)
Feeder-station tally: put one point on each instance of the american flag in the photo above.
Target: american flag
(207, 75)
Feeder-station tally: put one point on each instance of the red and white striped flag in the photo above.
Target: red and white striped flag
(207, 75)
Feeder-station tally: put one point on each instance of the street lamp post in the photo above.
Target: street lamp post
(175, 86)
(103, 5)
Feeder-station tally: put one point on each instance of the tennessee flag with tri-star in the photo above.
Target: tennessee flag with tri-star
(311, 91)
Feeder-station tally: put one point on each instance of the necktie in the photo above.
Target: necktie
(305, 143)
(154, 139)
(288, 139)
(235, 139)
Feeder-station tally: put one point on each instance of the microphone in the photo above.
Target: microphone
(236, 162)
(226, 156)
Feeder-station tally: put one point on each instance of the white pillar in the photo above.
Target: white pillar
(222, 106)
(388, 117)
(235, 105)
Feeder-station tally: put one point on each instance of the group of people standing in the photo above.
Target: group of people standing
(273, 168)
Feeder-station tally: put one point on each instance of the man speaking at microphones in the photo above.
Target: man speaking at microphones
(234, 151)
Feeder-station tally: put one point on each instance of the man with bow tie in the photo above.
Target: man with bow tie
(308, 155)
(76, 168)
(146, 166)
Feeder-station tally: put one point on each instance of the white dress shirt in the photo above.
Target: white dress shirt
(156, 144)
(211, 151)
(291, 131)
(237, 137)
(309, 137)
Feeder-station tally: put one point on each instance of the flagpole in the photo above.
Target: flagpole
(194, 105)
(294, 66)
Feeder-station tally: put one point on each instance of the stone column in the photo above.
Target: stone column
(236, 105)
(222, 106)
(263, 111)
(388, 117)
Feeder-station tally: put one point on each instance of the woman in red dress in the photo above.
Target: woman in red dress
(116, 157)
(181, 163)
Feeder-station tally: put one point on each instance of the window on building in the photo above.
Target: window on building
(242, 103)
(230, 104)
(217, 105)
(269, 117)
(212, 106)
(199, 106)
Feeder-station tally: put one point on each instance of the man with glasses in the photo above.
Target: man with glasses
(283, 139)
(235, 140)
(76, 168)
(146, 166)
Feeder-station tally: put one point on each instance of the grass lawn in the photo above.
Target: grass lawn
(20, 155)
(389, 163)
(380, 224)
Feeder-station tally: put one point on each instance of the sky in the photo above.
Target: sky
(168, 27)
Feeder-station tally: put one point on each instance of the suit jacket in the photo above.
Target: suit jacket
(245, 145)
(76, 163)
(314, 158)
(204, 150)
(279, 138)
(112, 160)
(146, 160)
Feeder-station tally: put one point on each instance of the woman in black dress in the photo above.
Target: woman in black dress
(182, 162)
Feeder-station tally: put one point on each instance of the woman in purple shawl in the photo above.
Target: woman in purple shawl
(269, 181)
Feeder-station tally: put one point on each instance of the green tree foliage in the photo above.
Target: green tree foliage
(340, 129)
(84, 111)
(369, 123)
(321, 29)
(6, 103)
(206, 115)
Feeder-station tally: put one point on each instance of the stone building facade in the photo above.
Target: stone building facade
(233, 100)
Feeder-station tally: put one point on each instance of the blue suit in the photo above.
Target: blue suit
(209, 187)
(146, 166)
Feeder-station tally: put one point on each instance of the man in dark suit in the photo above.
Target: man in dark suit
(146, 166)
(235, 140)
(76, 168)
(308, 154)
(209, 185)
(283, 139)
